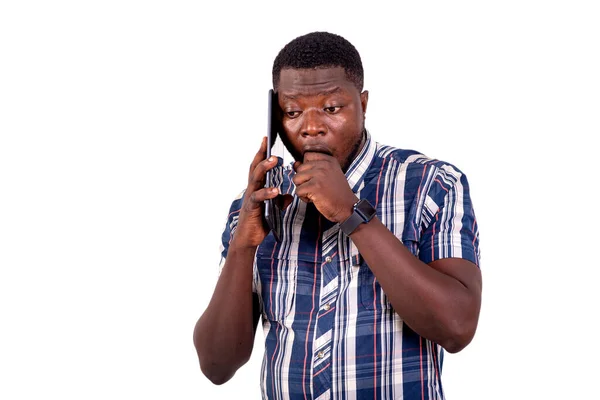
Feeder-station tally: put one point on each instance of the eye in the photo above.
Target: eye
(332, 109)
(292, 114)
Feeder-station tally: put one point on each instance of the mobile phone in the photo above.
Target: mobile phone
(273, 212)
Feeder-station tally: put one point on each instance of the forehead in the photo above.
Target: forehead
(306, 82)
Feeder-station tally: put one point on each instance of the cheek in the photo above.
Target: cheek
(346, 128)
(289, 130)
(348, 123)
(292, 128)
(288, 125)
(290, 138)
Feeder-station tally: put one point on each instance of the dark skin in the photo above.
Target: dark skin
(224, 334)
(323, 121)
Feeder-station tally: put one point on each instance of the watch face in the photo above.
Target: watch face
(363, 212)
(365, 209)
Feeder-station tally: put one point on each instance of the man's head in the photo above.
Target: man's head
(320, 50)
(319, 78)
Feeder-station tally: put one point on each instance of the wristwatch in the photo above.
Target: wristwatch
(363, 212)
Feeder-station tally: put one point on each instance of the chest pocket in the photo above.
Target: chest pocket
(278, 280)
(370, 292)
(287, 283)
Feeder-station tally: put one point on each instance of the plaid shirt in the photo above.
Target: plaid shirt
(330, 330)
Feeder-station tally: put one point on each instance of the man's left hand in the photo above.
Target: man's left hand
(320, 180)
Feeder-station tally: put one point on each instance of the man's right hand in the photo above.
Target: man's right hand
(252, 228)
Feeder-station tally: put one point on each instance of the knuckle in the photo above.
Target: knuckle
(253, 197)
(260, 168)
(257, 175)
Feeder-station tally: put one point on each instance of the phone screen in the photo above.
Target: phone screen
(273, 212)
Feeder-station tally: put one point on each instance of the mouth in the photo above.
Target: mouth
(316, 149)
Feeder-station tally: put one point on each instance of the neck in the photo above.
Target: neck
(356, 150)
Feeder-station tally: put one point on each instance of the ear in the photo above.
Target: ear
(364, 99)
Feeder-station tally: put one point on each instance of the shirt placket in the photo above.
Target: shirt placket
(325, 325)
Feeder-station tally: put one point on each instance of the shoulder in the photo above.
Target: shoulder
(231, 221)
(234, 209)
(419, 172)
(415, 160)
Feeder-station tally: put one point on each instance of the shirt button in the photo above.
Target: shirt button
(327, 306)
(320, 354)
(327, 259)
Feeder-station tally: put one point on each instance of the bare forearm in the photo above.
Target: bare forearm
(224, 334)
(437, 306)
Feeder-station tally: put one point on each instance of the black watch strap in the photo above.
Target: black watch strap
(363, 212)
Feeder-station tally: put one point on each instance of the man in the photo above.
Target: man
(377, 270)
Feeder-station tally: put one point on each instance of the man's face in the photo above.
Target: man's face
(322, 111)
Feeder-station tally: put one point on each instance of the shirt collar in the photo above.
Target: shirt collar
(356, 172)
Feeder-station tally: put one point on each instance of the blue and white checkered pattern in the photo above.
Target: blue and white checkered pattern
(330, 331)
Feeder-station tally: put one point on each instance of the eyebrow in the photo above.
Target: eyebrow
(337, 89)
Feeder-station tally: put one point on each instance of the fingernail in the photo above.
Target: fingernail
(271, 159)
(275, 190)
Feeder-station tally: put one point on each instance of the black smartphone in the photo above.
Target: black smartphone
(273, 212)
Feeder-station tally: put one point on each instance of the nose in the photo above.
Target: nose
(313, 124)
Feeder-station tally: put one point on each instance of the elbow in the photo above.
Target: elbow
(216, 375)
(218, 369)
(459, 334)
(454, 345)
(218, 364)
(213, 368)
(461, 324)
(218, 372)
(210, 366)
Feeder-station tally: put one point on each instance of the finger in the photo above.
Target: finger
(302, 177)
(304, 193)
(311, 165)
(314, 156)
(296, 165)
(257, 197)
(260, 156)
(257, 178)
(310, 170)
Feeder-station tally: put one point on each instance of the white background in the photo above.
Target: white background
(127, 127)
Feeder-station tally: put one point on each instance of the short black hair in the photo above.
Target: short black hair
(320, 50)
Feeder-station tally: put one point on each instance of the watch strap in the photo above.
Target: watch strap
(362, 212)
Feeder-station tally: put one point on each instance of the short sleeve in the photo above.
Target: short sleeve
(227, 236)
(452, 231)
